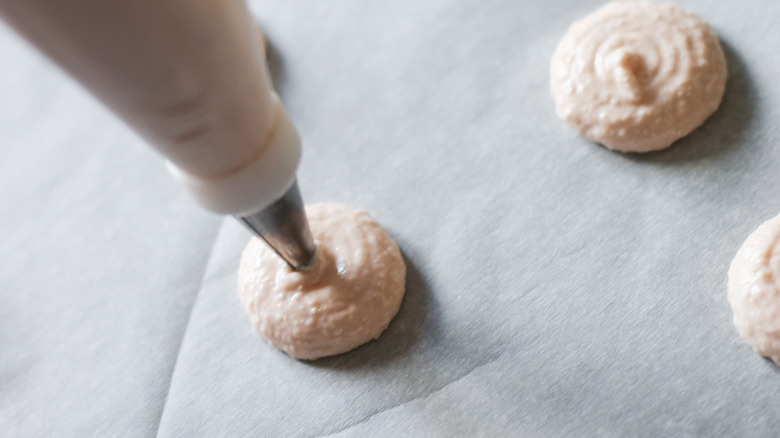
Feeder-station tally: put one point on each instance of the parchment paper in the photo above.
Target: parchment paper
(555, 288)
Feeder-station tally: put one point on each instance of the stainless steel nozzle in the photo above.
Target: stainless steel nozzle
(284, 227)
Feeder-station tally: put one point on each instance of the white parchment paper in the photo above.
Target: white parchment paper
(555, 288)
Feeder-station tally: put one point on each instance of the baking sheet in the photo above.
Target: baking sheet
(554, 288)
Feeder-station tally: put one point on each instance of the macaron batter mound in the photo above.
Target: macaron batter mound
(346, 299)
(754, 290)
(637, 76)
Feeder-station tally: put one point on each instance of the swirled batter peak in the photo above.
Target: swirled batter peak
(754, 289)
(346, 299)
(637, 76)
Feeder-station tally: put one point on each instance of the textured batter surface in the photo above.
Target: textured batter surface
(753, 290)
(637, 76)
(348, 298)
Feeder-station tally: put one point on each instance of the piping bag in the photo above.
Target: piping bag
(189, 77)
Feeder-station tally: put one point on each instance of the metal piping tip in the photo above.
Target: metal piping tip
(284, 227)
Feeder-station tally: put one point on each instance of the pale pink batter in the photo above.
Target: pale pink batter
(637, 76)
(754, 290)
(347, 299)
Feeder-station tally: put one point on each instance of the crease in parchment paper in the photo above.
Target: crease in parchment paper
(187, 325)
(594, 281)
(489, 360)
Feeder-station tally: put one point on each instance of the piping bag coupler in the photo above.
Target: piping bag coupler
(263, 195)
(191, 78)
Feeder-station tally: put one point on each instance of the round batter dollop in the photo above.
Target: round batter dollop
(754, 290)
(637, 76)
(346, 299)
